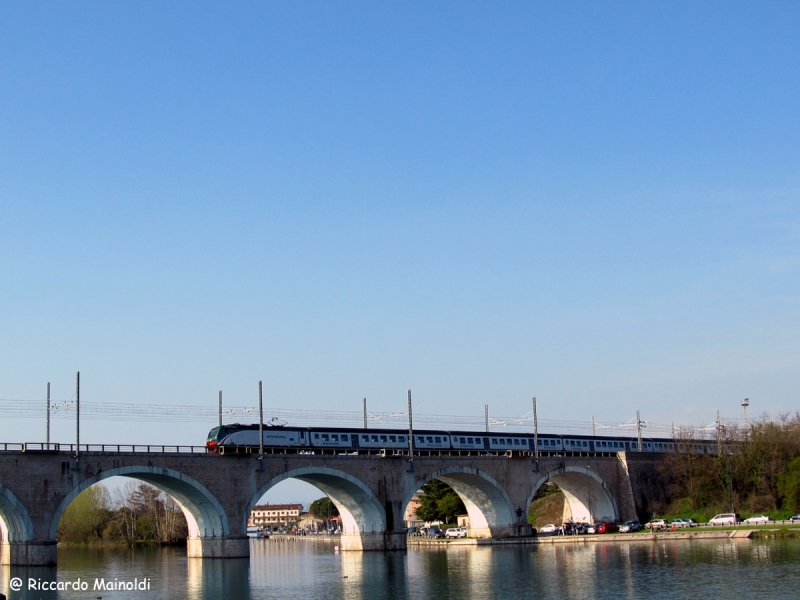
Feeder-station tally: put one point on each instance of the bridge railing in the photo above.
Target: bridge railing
(120, 448)
(40, 447)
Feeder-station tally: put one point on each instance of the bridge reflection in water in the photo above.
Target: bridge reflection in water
(217, 493)
(311, 569)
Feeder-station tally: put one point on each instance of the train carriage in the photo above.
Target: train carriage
(382, 439)
(432, 440)
(246, 435)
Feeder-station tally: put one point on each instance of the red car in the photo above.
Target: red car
(607, 527)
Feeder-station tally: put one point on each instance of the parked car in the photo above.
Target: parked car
(630, 526)
(657, 525)
(548, 529)
(456, 532)
(758, 520)
(681, 523)
(435, 532)
(794, 518)
(593, 527)
(725, 519)
(607, 527)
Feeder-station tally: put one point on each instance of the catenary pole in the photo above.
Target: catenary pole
(365, 413)
(220, 408)
(486, 416)
(535, 431)
(410, 434)
(77, 417)
(260, 427)
(638, 432)
(48, 415)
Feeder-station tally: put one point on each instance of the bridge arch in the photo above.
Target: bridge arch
(15, 523)
(360, 510)
(204, 514)
(588, 497)
(490, 510)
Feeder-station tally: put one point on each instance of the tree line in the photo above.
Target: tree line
(756, 469)
(136, 514)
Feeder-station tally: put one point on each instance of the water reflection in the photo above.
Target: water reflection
(313, 569)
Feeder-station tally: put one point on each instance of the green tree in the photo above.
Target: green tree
(789, 486)
(438, 502)
(86, 516)
(323, 509)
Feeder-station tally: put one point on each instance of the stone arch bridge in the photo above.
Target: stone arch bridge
(216, 492)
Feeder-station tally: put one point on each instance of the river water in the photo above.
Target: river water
(312, 570)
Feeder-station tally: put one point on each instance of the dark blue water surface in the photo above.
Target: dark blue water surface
(311, 569)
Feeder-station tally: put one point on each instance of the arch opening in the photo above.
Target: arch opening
(488, 507)
(15, 523)
(362, 516)
(205, 517)
(587, 499)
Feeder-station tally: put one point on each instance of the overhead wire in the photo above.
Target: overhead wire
(107, 411)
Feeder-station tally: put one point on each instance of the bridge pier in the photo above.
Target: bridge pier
(35, 553)
(229, 546)
(362, 542)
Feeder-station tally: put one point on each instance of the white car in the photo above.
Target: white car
(725, 519)
(456, 532)
(757, 520)
(656, 525)
(548, 529)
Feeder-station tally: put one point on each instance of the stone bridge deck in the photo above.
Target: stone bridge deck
(217, 492)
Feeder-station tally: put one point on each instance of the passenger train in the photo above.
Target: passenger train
(308, 438)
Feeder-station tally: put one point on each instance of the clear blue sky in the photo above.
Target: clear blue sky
(594, 203)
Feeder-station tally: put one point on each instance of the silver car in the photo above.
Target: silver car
(630, 526)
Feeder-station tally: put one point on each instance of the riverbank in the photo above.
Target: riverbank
(588, 539)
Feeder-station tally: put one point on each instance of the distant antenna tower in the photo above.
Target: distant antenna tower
(745, 404)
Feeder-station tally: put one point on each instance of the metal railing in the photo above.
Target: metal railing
(38, 447)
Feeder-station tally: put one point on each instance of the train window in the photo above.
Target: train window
(603, 444)
(462, 440)
(469, 440)
(375, 439)
(402, 438)
(438, 439)
(364, 438)
(430, 439)
(420, 439)
(494, 440)
(316, 436)
(392, 438)
(585, 444)
(334, 437)
(324, 437)
(302, 434)
(344, 437)
(383, 438)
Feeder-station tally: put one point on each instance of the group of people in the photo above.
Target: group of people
(569, 528)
